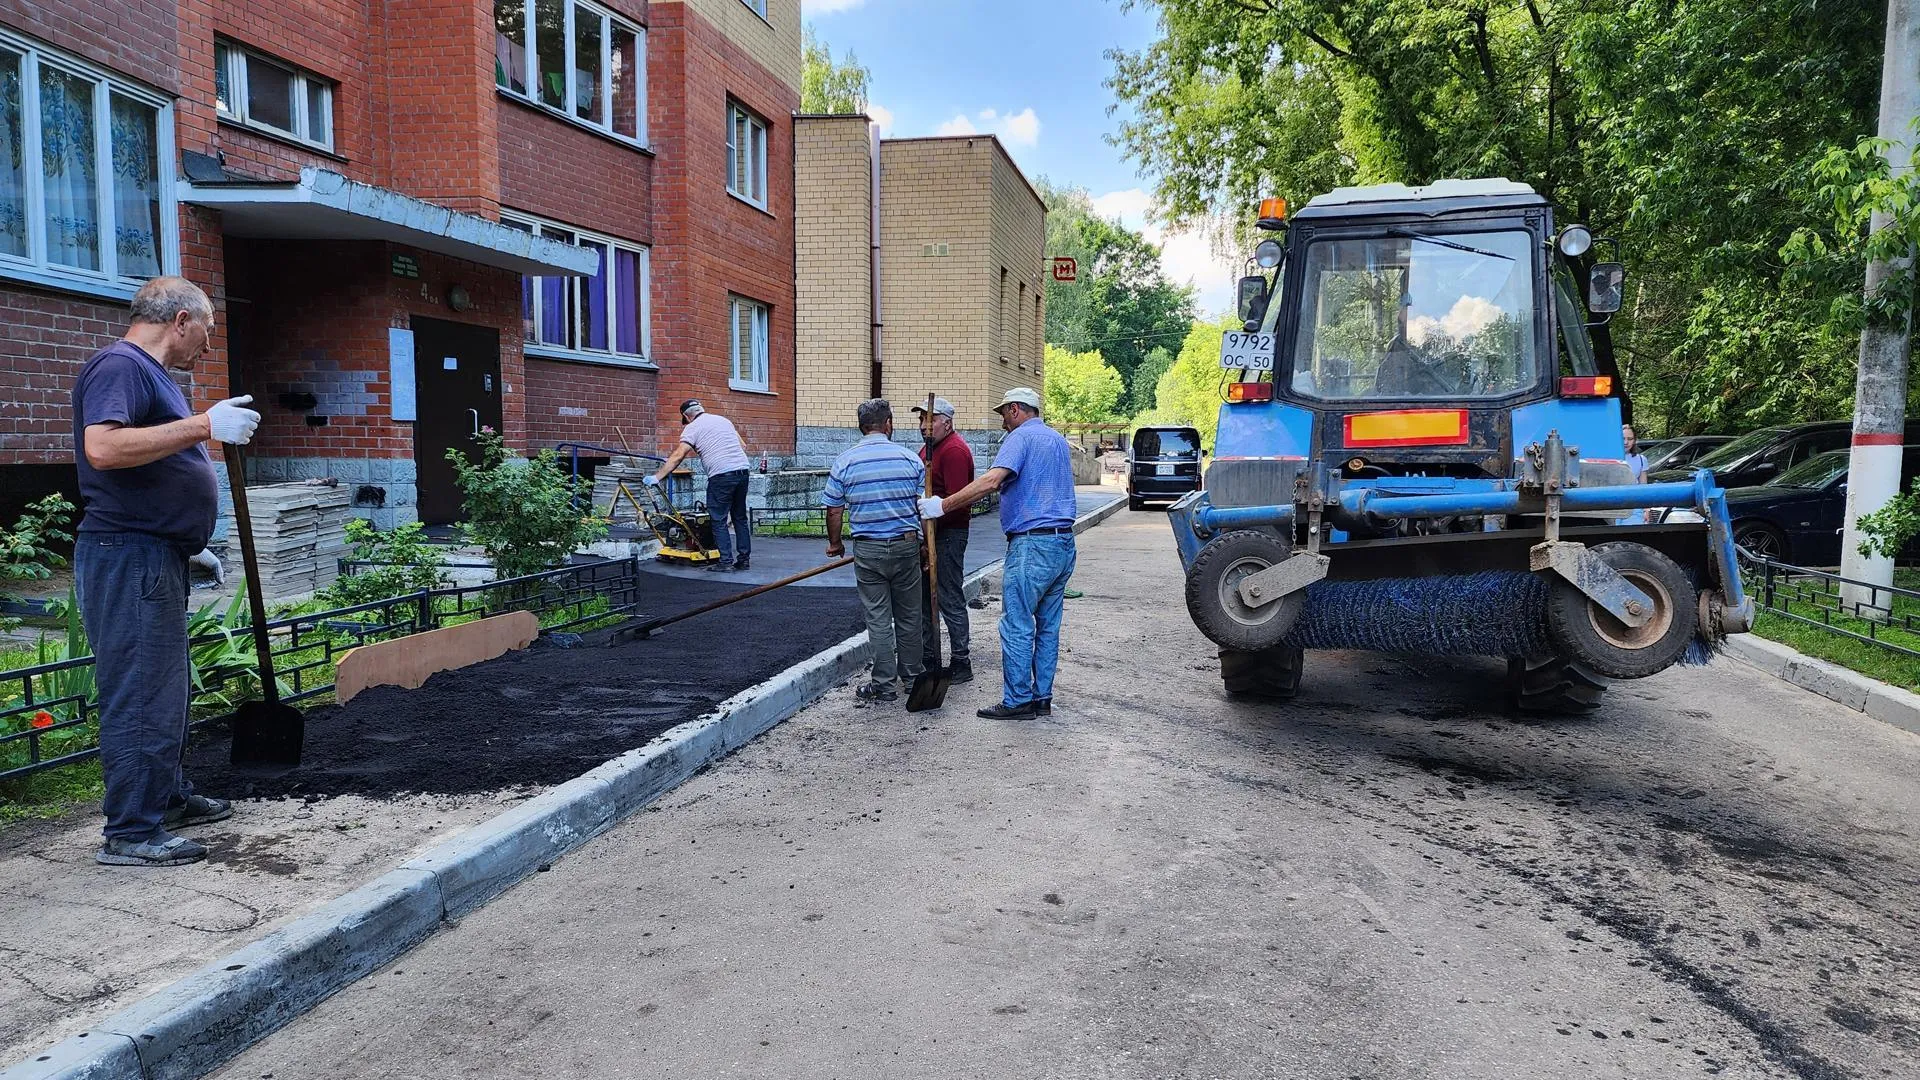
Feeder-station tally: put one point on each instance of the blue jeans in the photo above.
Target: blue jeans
(1033, 588)
(133, 600)
(727, 500)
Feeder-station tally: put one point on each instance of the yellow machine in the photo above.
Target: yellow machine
(685, 536)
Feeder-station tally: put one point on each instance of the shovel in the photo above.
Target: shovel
(930, 686)
(267, 735)
(641, 629)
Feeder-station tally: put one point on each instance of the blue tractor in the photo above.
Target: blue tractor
(1420, 451)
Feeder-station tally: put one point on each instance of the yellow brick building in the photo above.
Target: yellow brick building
(962, 239)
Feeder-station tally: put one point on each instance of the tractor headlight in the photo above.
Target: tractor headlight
(1267, 254)
(1575, 241)
(1682, 517)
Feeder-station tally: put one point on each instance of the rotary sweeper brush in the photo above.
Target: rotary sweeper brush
(1420, 451)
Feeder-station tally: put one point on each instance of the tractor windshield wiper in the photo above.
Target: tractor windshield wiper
(1424, 238)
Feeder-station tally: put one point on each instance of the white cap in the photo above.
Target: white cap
(940, 405)
(1025, 395)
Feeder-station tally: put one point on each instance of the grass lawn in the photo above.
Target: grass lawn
(1811, 599)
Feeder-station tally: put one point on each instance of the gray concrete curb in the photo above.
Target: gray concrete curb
(1888, 704)
(191, 1027)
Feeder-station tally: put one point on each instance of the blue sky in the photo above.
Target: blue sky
(953, 67)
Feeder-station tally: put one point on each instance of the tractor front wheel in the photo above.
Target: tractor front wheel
(1585, 632)
(1213, 591)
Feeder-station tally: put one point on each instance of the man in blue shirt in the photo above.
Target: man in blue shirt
(1034, 474)
(875, 487)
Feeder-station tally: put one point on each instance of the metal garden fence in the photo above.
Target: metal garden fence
(1812, 597)
(48, 717)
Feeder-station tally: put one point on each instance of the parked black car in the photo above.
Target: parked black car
(1163, 464)
(1683, 450)
(1760, 455)
(1797, 516)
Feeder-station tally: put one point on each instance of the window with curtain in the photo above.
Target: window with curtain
(601, 317)
(749, 344)
(259, 91)
(584, 62)
(746, 155)
(86, 193)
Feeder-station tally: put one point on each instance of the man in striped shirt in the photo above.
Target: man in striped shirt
(874, 488)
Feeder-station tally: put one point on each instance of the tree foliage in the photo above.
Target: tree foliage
(1080, 387)
(1146, 381)
(1122, 304)
(828, 85)
(1189, 392)
(1694, 131)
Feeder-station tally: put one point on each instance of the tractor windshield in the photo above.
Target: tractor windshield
(1411, 315)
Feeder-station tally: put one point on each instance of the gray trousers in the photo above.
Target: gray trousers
(888, 575)
(133, 600)
(951, 546)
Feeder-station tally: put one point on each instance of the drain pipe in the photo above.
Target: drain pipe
(873, 257)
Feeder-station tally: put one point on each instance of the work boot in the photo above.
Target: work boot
(1043, 706)
(1004, 711)
(718, 567)
(740, 563)
(161, 849)
(197, 810)
(875, 691)
(962, 671)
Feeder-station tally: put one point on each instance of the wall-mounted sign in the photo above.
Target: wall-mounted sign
(1065, 268)
(404, 266)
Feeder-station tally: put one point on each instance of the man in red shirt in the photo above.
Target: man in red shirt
(950, 466)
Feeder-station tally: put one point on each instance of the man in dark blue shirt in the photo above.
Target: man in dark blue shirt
(149, 499)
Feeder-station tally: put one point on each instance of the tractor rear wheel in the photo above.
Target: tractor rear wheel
(1552, 686)
(1269, 674)
(1583, 631)
(1213, 591)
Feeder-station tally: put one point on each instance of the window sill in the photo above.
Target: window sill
(737, 197)
(281, 137)
(571, 120)
(749, 388)
(573, 356)
(58, 281)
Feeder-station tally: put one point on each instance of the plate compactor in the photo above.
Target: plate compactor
(1420, 451)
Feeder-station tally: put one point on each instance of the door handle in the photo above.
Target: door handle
(475, 413)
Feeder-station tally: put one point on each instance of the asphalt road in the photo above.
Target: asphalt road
(1716, 874)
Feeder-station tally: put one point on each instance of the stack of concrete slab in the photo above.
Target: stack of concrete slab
(606, 483)
(300, 534)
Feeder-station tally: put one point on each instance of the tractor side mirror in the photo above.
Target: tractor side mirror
(1253, 301)
(1605, 283)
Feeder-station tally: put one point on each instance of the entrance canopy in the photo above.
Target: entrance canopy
(323, 205)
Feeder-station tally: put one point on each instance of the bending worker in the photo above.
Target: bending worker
(1034, 474)
(875, 486)
(716, 442)
(950, 460)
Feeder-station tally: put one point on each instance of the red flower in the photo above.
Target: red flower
(42, 719)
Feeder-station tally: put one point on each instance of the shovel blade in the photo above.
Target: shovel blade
(929, 689)
(267, 738)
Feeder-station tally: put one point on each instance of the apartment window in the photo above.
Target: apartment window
(585, 63)
(749, 345)
(759, 7)
(746, 155)
(265, 93)
(602, 317)
(86, 173)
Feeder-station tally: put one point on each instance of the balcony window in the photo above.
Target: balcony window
(256, 90)
(600, 318)
(585, 63)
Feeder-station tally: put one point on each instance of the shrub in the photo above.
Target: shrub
(1886, 531)
(401, 561)
(524, 511)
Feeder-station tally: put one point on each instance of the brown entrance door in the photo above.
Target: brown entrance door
(456, 378)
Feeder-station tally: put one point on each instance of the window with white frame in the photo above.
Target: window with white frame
(86, 173)
(584, 62)
(602, 317)
(759, 7)
(746, 155)
(256, 90)
(749, 345)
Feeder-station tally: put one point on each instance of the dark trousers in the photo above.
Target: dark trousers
(727, 500)
(133, 600)
(887, 575)
(950, 547)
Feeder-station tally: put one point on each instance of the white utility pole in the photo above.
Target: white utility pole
(1880, 388)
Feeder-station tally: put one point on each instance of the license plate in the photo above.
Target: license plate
(1253, 352)
(1163, 470)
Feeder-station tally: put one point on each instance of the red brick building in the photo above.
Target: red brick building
(557, 218)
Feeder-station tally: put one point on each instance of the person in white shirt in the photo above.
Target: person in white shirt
(1637, 464)
(716, 442)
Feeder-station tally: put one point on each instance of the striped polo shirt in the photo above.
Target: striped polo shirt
(879, 482)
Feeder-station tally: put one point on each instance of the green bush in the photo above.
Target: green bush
(524, 511)
(1886, 531)
(402, 562)
(25, 554)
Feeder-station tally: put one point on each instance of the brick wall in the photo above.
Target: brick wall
(134, 37)
(605, 186)
(772, 43)
(938, 310)
(568, 402)
(1019, 247)
(832, 234)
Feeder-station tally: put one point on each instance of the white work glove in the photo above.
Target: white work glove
(651, 481)
(931, 508)
(231, 420)
(210, 562)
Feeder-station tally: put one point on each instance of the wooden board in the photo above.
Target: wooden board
(409, 661)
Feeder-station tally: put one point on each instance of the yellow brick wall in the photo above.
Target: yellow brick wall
(832, 299)
(774, 41)
(1019, 245)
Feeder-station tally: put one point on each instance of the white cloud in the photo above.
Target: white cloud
(1469, 316)
(1018, 129)
(810, 8)
(882, 116)
(1186, 255)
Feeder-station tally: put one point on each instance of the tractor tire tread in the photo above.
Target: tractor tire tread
(1268, 675)
(1553, 686)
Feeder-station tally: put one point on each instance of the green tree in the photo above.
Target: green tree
(1080, 387)
(524, 511)
(1190, 392)
(1146, 381)
(828, 85)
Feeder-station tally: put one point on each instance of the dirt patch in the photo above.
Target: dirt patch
(544, 715)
